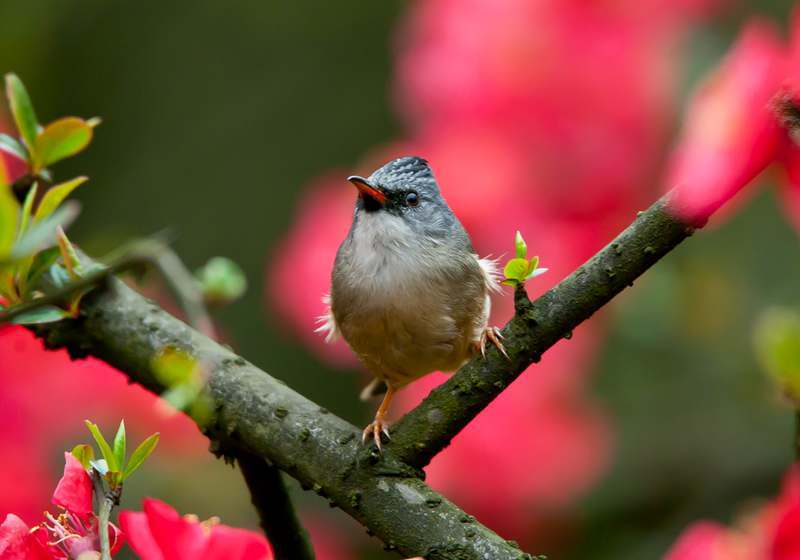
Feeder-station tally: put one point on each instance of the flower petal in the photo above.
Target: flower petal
(229, 543)
(177, 537)
(786, 542)
(137, 531)
(74, 490)
(17, 542)
(731, 134)
(698, 542)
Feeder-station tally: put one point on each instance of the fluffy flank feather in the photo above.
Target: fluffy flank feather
(327, 323)
(491, 273)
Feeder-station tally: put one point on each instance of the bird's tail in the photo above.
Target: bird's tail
(375, 388)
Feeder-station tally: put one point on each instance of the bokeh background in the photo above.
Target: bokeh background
(232, 126)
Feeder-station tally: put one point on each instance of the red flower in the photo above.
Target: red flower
(731, 133)
(71, 533)
(74, 490)
(32, 427)
(159, 533)
(770, 533)
(18, 543)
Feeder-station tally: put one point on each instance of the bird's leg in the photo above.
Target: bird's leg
(378, 426)
(493, 335)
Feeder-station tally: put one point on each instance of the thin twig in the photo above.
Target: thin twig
(289, 539)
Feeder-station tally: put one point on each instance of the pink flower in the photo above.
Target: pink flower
(12, 167)
(74, 490)
(65, 536)
(731, 133)
(32, 427)
(159, 533)
(18, 543)
(771, 532)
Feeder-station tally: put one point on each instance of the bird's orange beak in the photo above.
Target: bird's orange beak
(366, 189)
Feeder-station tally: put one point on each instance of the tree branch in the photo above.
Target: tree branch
(259, 415)
(290, 541)
(256, 413)
(536, 327)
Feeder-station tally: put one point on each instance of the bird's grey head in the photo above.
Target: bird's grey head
(405, 189)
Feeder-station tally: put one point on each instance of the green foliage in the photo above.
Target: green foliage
(47, 145)
(520, 268)
(185, 379)
(140, 454)
(115, 467)
(84, 453)
(61, 139)
(221, 280)
(9, 217)
(55, 196)
(22, 110)
(28, 233)
(41, 315)
(777, 344)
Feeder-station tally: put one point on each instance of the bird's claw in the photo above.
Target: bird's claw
(493, 335)
(375, 429)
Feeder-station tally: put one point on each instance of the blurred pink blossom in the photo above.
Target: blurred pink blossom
(44, 399)
(730, 133)
(772, 532)
(543, 117)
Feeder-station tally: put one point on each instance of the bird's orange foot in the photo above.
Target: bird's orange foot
(492, 334)
(375, 429)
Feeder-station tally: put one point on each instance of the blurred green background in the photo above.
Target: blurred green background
(214, 117)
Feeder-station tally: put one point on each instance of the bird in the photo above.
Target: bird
(408, 292)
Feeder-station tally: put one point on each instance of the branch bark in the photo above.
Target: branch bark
(259, 415)
(289, 539)
(536, 327)
(255, 413)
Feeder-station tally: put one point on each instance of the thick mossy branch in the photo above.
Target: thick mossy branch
(536, 327)
(289, 539)
(256, 413)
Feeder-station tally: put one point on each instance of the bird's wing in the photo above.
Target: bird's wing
(327, 322)
(491, 273)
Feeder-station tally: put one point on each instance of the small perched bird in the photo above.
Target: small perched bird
(408, 294)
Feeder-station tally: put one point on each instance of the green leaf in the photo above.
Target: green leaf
(25, 216)
(520, 247)
(516, 269)
(40, 315)
(140, 454)
(69, 255)
(61, 139)
(536, 272)
(22, 110)
(12, 146)
(105, 449)
(85, 454)
(55, 196)
(119, 444)
(39, 264)
(221, 280)
(173, 366)
(9, 216)
(42, 234)
(777, 342)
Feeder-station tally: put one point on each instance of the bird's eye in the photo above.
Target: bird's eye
(412, 199)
